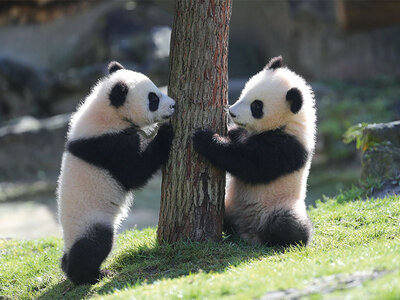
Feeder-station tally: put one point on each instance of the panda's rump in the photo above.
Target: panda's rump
(86, 195)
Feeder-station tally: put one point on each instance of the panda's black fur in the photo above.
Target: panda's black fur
(121, 155)
(259, 158)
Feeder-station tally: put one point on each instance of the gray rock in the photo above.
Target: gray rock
(380, 133)
(31, 149)
(26, 90)
(23, 89)
(54, 45)
(382, 156)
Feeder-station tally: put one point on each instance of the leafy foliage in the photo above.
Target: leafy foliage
(355, 133)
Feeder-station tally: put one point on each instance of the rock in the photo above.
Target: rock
(22, 88)
(386, 132)
(26, 90)
(381, 159)
(31, 149)
(55, 45)
(387, 189)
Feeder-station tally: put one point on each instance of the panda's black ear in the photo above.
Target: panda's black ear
(114, 66)
(295, 98)
(118, 94)
(274, 63)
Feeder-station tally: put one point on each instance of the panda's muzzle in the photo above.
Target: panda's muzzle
(171, 108)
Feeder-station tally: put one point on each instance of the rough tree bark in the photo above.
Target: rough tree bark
(192, 193)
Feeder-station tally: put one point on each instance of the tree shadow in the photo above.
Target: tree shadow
(148, 263)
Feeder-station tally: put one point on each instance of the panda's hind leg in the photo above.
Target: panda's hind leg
(284, 228)
(82, 263)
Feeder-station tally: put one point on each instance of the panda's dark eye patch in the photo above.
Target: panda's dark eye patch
(154, 101)
(257, 109)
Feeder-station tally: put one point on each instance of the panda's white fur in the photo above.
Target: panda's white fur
(251, 206)
(90, 194)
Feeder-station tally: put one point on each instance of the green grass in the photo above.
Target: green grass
(351, 236)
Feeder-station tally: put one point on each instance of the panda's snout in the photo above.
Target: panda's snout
(172, 106)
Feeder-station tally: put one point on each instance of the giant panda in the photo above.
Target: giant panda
(104, 160)
(268, 155)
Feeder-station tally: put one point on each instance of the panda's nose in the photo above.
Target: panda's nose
(232, 114)
(172, 106)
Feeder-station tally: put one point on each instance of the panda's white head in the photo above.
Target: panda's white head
(122, 99)
(273, 98)
(135, 98)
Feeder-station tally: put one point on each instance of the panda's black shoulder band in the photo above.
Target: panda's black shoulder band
(260, 158)
(121, 155)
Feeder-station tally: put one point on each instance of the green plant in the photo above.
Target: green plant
(356, 133)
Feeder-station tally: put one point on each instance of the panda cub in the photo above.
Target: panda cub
(268, 157)
(104, 160)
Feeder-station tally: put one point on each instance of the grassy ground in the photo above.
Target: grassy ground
(354, 254)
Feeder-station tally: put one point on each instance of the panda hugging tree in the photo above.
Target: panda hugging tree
(104, 160)
(268, 156)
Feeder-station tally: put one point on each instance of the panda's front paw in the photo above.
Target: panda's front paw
(165, 136)
(202, 138)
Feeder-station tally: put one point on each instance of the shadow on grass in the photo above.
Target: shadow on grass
(146, 264)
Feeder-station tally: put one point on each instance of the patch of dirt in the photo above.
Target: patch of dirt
(37, 218)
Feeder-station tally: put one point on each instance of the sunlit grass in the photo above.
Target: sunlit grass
(350, 236)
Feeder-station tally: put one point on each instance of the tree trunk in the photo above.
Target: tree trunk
(192, 196)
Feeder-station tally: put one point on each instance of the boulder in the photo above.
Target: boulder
(27, 90)
(381, 159)
(31, 149)
(135, 32)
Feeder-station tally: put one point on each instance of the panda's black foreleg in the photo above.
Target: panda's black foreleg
(153, 156)
(82, 263)
(283, 228)
(240, 159)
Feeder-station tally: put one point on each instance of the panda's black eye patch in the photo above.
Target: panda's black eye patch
(118, 94)
(257, 109)
(154, 101)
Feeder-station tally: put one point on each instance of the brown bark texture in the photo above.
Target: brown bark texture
(192, 192)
